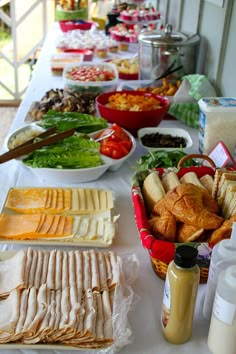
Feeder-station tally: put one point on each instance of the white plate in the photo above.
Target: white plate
(58, 176)
(172, 131)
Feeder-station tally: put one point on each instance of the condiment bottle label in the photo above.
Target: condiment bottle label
(224, 310)
(166, 303)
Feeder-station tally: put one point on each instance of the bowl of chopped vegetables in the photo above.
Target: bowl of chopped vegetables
(132, 110)
(90, 77)
(82, 157)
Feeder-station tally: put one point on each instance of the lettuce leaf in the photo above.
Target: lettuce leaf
(84, 123)
(73, 152)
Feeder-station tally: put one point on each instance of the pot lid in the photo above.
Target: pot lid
(168, 38)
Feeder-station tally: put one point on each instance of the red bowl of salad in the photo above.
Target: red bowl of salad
(132, 110)
(91, 77)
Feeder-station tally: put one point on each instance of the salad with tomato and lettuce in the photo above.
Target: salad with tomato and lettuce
(80, 150)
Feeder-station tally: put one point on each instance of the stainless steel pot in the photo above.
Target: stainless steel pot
(159, 49)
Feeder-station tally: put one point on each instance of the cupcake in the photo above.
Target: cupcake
(101, 50)
(124, 47)
(113, 46)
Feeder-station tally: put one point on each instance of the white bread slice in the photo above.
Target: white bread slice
(232, 204)
(217, 176)
(152, 190)
(191, 177)
(223, 189)
(207, 182)
(226, 176)
(231, 189)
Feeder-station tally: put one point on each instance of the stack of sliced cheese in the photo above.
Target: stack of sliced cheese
(59, 200)
(58, 297)
(65, 214)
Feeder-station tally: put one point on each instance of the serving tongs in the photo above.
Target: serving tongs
(30, 146)
(170, 70)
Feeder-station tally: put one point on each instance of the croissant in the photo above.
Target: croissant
(163, 223)
(222, 232)
(193, 205)
(188, 233)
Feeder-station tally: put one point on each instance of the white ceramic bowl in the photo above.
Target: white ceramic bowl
(58, 176)
(172, 131)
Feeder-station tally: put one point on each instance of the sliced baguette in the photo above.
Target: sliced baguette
(152, 190)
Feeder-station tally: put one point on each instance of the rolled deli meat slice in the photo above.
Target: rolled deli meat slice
(9, 279)
(10, 312)
(94, 270)
(58, 269)
(51, 270)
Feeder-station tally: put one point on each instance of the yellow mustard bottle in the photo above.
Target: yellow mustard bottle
(181, 285)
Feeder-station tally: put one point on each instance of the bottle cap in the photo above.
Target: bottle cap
(185, 256)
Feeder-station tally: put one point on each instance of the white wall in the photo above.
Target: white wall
(216, 26)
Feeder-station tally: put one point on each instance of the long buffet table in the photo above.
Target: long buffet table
(144, 318)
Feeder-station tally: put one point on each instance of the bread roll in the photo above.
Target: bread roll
(207, 182)
(191, 177)
(170, 181)
(152, 190)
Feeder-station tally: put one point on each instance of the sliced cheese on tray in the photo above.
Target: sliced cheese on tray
(31, 226)
(58, 200)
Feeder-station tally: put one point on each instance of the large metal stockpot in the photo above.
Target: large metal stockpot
(159, 49)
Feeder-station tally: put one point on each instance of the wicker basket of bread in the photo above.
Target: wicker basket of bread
(194, 205)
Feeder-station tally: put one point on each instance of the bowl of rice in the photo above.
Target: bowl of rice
(132, 110)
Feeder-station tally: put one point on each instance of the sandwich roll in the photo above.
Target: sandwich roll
(191, 177)
(170, 181)
(207, 182)
(152, 190)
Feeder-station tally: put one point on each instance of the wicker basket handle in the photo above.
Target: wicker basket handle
(198, 156)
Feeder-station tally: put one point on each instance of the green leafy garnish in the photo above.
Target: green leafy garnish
(162, 158)
(84, 123)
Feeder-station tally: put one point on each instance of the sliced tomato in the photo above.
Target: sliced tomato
(106, 150)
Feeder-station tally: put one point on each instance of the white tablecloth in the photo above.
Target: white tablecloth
(144, 318)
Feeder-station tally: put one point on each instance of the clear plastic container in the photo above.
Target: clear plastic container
(217, 123)
(223, 256)
(222, 332)
(58, 61)
(92, 86)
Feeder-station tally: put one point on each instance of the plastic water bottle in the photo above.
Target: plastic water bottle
(223, 255)
(222, 332)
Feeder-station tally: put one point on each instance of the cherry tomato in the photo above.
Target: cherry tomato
(116, 145)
